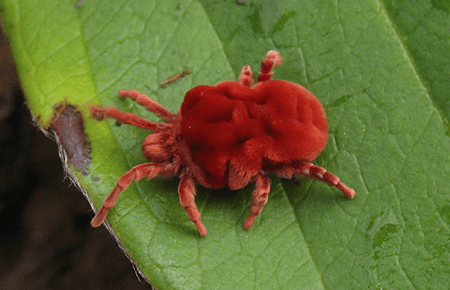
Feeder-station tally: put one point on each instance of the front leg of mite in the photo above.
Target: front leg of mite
(260, 196)
(271, 60)
(151, 105)
(187, 192)
(246, 76)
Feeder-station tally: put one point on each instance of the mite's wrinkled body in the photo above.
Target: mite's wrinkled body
(250, 129)
(229, 135)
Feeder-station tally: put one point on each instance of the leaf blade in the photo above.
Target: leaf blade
(386, 139)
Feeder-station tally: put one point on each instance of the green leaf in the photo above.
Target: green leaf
(381, 69)
(421, 26)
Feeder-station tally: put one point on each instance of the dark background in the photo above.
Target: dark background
(46, 241)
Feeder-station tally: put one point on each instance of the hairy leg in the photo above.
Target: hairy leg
(271, 60)
(315, 172)
(187, 192)
(260, 196)
(246, 76)
(127, 118)
(151, 105)
(149, 170)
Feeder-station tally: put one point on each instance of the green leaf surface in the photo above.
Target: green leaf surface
(381, 70)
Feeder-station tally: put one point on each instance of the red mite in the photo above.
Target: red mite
(229, 135)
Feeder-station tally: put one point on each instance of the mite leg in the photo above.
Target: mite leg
(260, 196)
(149, 170)
(271, 60)
(150, 104)
(246, 76)
(127, 118)
(187, 192)
(319, 173)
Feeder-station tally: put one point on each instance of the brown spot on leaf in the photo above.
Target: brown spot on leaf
(174, 78)
(67, 124)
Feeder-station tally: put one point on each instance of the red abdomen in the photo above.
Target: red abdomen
(234, 131)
